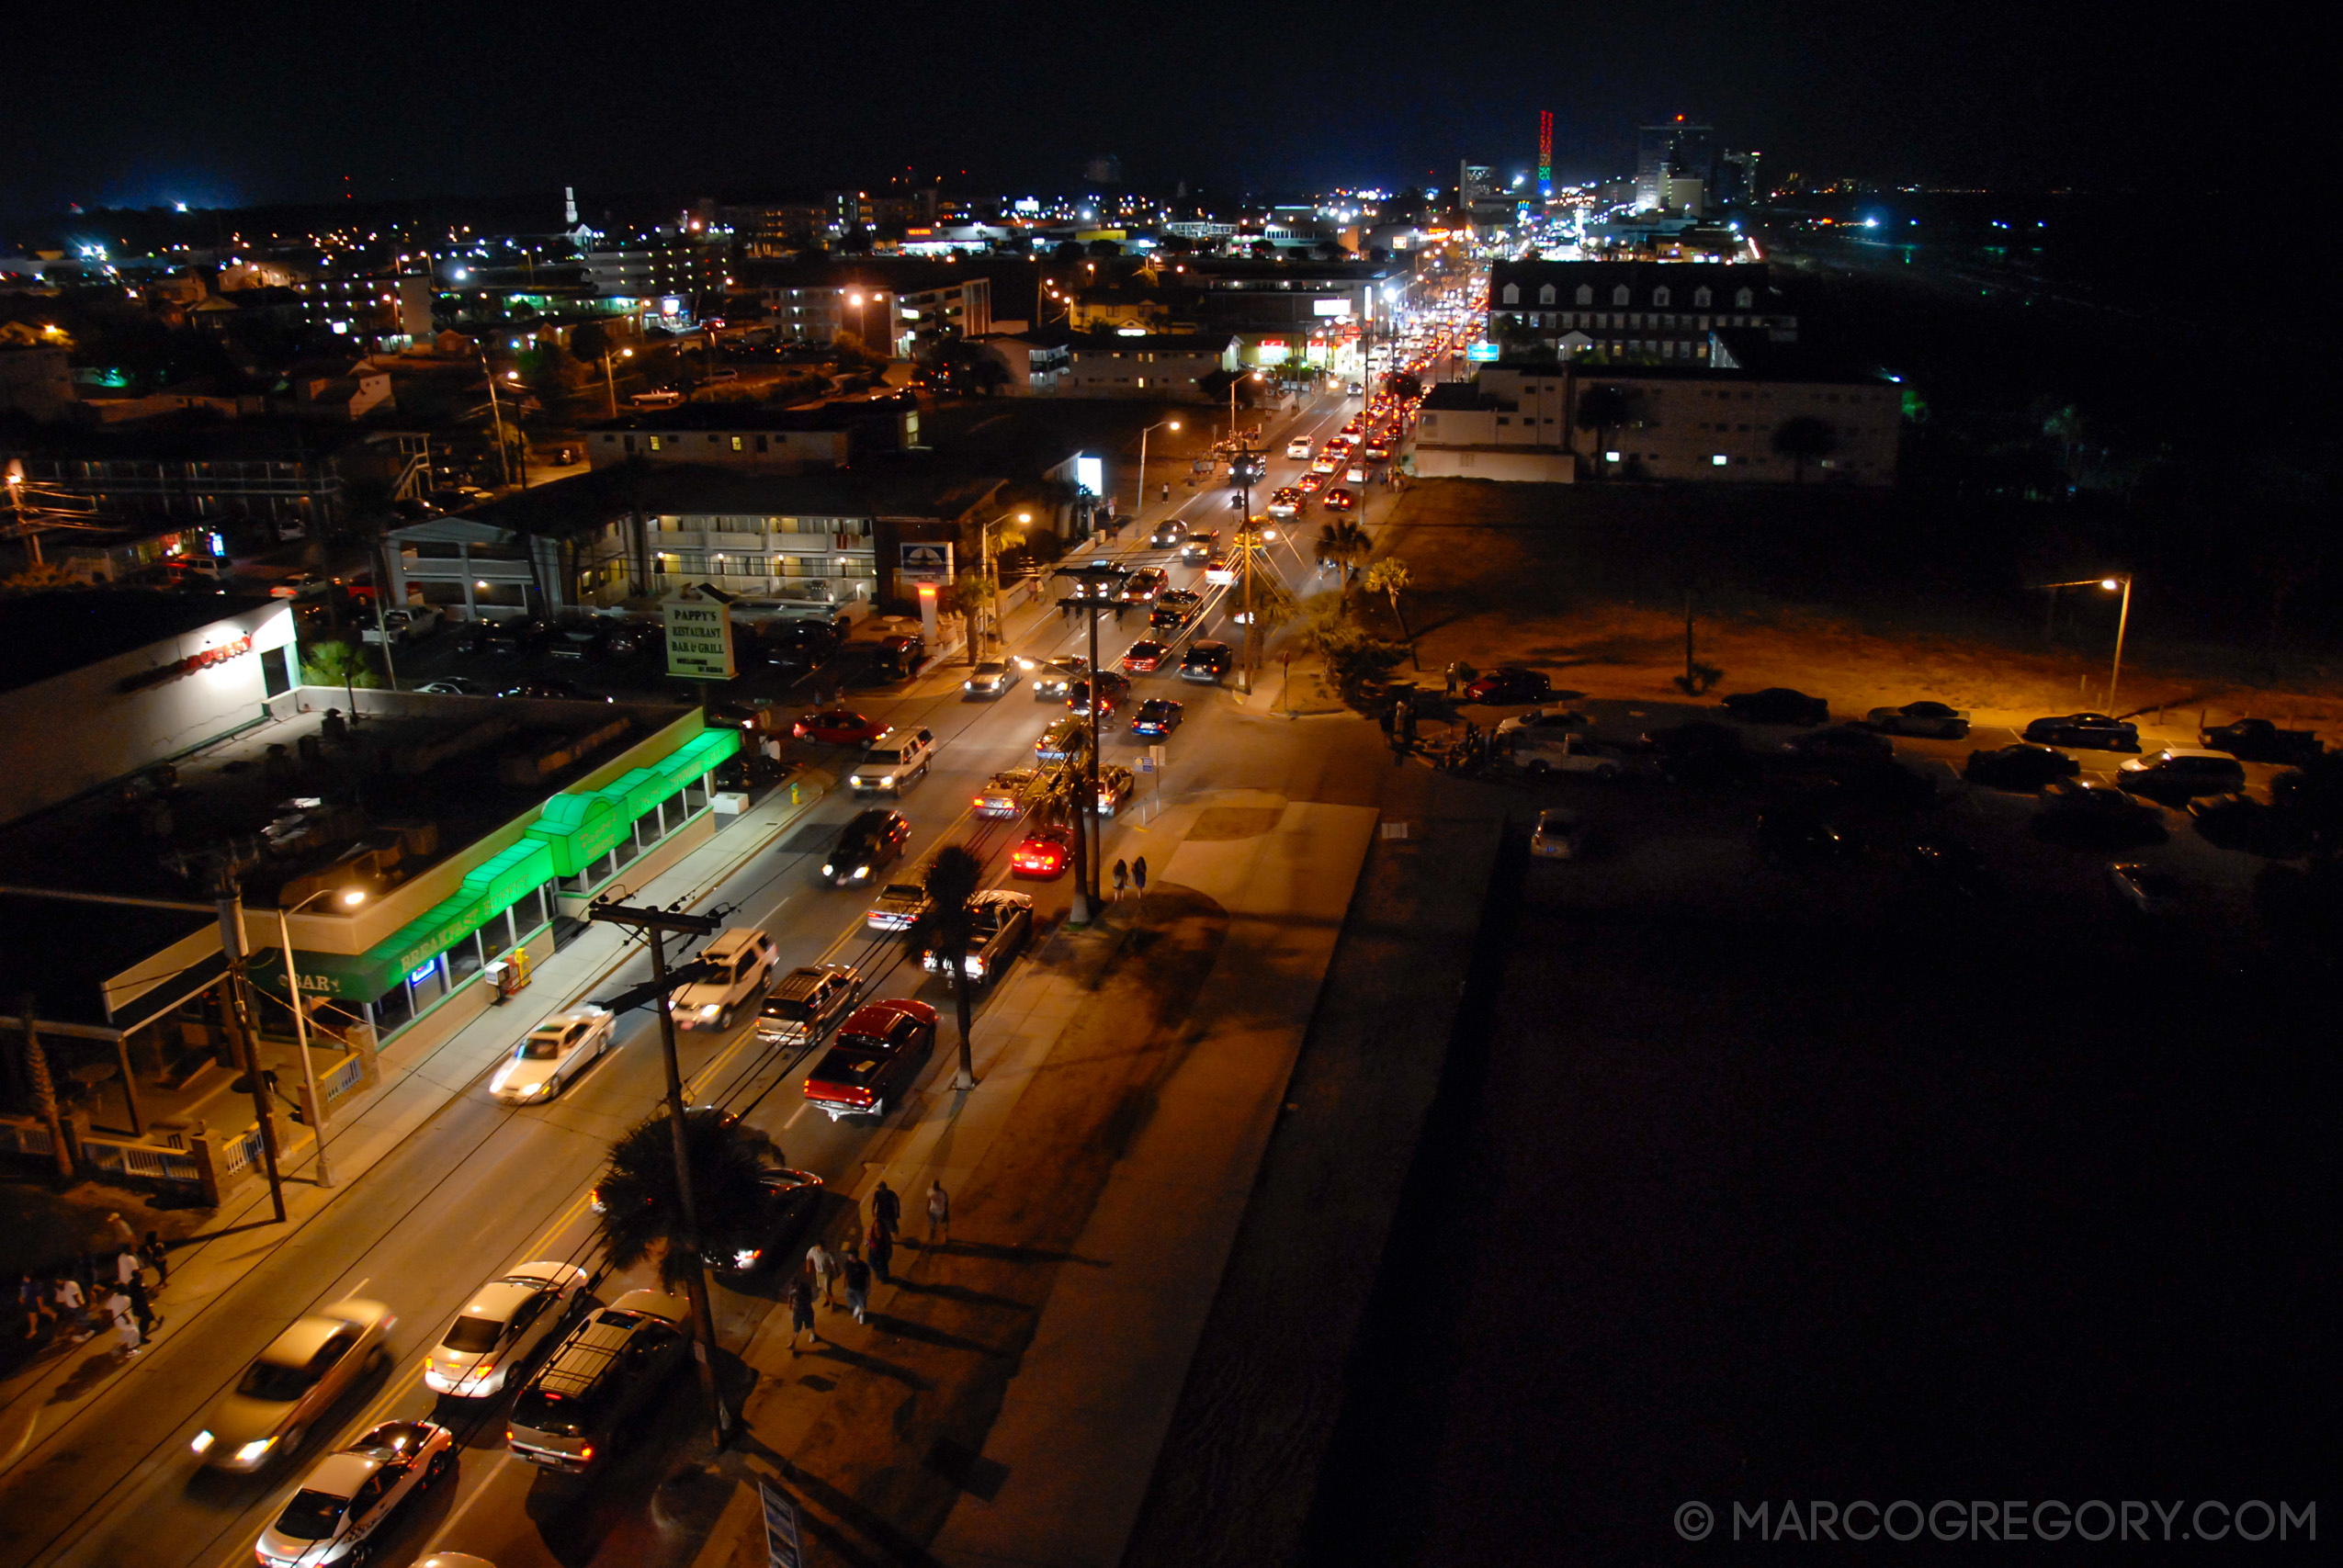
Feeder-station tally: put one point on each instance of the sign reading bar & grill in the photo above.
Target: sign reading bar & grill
(699, 635)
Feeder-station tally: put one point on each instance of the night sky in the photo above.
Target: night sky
(259, 102)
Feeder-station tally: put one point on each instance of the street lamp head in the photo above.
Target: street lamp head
(351, 897)
(2111, 583)
(1175, 424)
(1024, 516)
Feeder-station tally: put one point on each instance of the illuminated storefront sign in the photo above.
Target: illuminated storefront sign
(208, 657)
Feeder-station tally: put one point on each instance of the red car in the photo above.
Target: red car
(837, 727)
(1042, 856)
(1510, 684)
(1144, 657)
(1310, 483)
(1340, 500)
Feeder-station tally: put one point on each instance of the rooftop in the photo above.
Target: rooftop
(832, 415)
(907, 484)
(47, 635)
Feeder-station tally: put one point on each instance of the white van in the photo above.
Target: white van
(745, 959)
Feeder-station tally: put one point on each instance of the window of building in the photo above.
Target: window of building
(1744, 299)
(654, 443)
(1513, 294)
(1546, 295)
(1585, 293)
(1619, 295)
(759, 443)
(1700, 298)
(738, 445)
(1659, 298)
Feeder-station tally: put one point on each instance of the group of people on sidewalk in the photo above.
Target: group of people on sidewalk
(103, 1291)
(867, 1252)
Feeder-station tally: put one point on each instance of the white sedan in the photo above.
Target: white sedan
(502, 1327)
(340, 1513)
(1921, 719)
(553, 1054)
(1298, 447)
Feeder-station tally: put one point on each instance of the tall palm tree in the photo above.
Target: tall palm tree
(951, 881)
(1389, 576)
(1601, 409)
(642, 1207)
(1343, 543)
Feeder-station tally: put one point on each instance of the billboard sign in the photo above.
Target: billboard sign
(699, 635)
(1483, 351)
(1090, 474)
(924, 561)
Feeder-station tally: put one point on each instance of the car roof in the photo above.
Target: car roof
(657, 1303)
(498, 1301)
(869, 822)
(732, 941)
(2197, 753)
(340, 1474)
(298, 1344)
(1004, 896)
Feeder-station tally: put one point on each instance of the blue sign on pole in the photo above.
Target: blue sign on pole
(782, 1545)
(1482, 351)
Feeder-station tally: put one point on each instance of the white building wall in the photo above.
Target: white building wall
(81, 730)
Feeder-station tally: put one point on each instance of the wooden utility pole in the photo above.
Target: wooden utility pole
(656, 925)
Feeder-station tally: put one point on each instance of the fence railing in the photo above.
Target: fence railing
(241, 1153)
(140, 1159)
(22, 1138)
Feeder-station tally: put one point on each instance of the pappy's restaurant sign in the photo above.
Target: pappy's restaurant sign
(187, 666)
(699, 635)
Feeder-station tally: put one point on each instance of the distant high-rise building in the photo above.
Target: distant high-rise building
(1474, 182)
(1677, 149)
(1736, 178)
(1104, 170)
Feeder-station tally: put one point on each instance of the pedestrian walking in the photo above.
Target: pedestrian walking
(801, 1312)
(1121, 879)
(118, 1232)
(126, 1264)
(857, 1287)
(1167, 490)
(154, 1249)
(32, 1296)
(939, 1215)
(1452, 677)
(1138, 874)
(824, 1265)
(885, 1210)
(115, 1311)
(882, 1255)
(65, 1295)
(141, 1307)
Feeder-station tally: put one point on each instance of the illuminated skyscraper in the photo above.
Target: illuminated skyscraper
(1677, 148)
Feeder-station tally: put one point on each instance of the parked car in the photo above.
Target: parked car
(454, 686)
(896, 761)
(1042, 856)
(744, 959)
(581, 1401)
(1948, 864)
(2241, 822)
(1921, 719)
(992, 678)
(1115, 786)
(1004, 795)
(505, 1322)
(999, 924)
(1560, 834)
(1509, 684)
(806, 1001)
(552, 1053)
(2021, 766)
(513, 634)
(1778, 705)
(2144, 890)
(1206, 663)
(898, 658)
(1840, 743)
(2176, 773)
(1798, 832)
(873, 839)
(2099, 815)
(343, 1507)
(412, 623)
(291, 1385)
(1540, 750)
(1700, 751)
(785, 1201)
(836, 727)
(2097, 732)
(875, 1059)
(554, 689)
(1156, 717)
(896, 907)
(1540, 718)
(2259, 740)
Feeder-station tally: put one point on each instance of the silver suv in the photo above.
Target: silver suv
(571, 1412)
(897, 758)
(805, 1002)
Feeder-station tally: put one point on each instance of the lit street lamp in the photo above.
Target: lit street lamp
(1139, 504)
(349, 898)
(2123, 620)
(993, 584)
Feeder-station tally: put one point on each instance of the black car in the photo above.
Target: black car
(1168, 615)
(1168, 533)
(1945, 865)
(873, 839)
(550, 686)
(2098, 816)
(1700, 752)
(1114, 689)
(766, 1235)
(517, 634)
(1800, 833)
(2097, 732)
(1206, 662)
(1778, 705)
(2020, 766)
(2258, 740)
(1840, 743)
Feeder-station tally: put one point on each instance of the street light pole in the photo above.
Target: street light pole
(1139, 504)
(2122, 624)
(495, 412)
(351, 897)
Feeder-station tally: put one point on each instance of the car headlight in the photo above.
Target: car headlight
(975, 967)
(253, 1450)
(829, 870)
(203, 1441)
(861, 871)
(887, 781)
(746, 1257)
(709, 1009)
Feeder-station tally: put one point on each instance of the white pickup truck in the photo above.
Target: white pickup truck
(411, 624)
(1541, 748)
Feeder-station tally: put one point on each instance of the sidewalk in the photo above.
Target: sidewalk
(1008, 1396)
(45, 1395)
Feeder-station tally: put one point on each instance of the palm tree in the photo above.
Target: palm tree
(1343, 543)
(643, 1208)
(1802, 440)
(951, 881)
(1601, 409)
(1389, 576)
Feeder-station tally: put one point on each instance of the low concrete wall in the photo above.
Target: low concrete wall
(1525, 465)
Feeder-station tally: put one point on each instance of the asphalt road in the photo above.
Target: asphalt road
(479, 1188)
